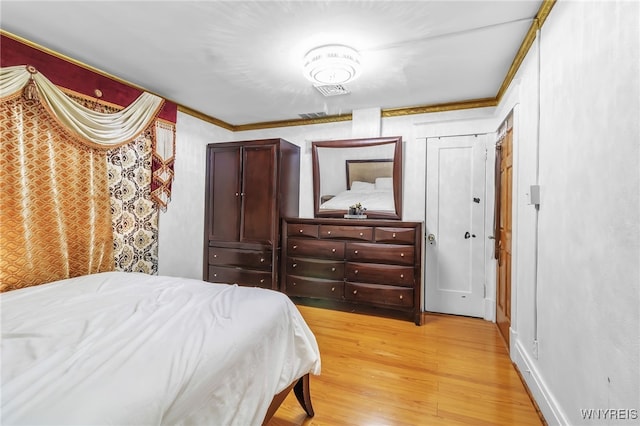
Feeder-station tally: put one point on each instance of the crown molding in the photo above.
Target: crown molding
(296, 122)
(207, 118)
(450, 106)
(541, 16)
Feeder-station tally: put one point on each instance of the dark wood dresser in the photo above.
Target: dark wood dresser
(361, 265)
(250, 186)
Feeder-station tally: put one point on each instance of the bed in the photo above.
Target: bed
(127, 348)
(369, 182)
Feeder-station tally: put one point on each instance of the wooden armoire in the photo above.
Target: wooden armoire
(250, 186)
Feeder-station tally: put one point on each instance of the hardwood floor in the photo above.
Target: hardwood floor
(378, 371)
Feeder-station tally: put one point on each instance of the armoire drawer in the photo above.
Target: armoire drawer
(364, 233)
(317, 268)
(245, 277)
(302, 230)
(380, 295)
(312, 287)
(395, 235)
(379, 274)
(252, 259)
(381, 253)
(315, 248)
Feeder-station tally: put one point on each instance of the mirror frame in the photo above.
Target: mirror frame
(359, 143)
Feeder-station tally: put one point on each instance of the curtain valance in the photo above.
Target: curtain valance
(103, 130)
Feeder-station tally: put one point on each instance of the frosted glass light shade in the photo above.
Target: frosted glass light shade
(332, 64)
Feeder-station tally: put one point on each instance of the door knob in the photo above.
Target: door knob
(431, 238)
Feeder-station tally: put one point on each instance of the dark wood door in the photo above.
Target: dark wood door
(224, 194)
(503, 287)
(259, 213)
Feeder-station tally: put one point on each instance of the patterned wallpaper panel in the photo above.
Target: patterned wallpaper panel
(134, 215)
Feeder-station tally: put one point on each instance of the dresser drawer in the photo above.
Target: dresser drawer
(311, 287)
(251, 259)
(395, 235)
(315, 248)
(380, 274)
(328, 269)
(302, 230)
(380, 253)
(380, 295)
(363, 233)
(245, 277)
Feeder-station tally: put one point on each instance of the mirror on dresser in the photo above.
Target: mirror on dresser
(358, 171)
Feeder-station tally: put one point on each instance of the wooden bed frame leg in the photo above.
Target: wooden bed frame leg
(303, 394)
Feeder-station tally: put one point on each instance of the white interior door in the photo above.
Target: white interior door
(455, 199)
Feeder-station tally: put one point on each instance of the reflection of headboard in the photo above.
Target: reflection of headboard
(368, 170)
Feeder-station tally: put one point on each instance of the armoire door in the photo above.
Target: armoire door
(224, 188)
(259, 186)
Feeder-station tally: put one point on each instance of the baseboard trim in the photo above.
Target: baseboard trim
(490, 310)
(547, 404)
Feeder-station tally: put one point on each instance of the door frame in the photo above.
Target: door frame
(464, 127)
(480, 141)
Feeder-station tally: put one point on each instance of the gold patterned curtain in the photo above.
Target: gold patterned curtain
(54, 209)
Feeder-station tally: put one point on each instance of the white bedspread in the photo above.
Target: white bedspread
(378, 200)
(120, 348)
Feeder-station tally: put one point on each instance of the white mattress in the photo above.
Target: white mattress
(121, 348)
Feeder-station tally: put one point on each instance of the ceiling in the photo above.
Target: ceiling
(240, 62)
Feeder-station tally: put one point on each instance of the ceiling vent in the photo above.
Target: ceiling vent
(312, 115)
(332, 89)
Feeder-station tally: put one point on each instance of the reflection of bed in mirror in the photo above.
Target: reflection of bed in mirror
(368, 182)
(373, 177)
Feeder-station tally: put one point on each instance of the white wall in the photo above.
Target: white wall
(583, 306)
(181, 234)
(576, 266)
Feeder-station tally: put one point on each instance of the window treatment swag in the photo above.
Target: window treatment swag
(97, 129)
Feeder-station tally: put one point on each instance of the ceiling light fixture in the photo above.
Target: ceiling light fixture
(332, 64)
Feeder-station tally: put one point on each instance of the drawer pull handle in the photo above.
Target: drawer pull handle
(295, 283)
(401, 254)
(333, 289)
(262, 280)
(262, 259)
(401, 275)
(394, 235)
(333, 269)
(294, 265)
(215, 255)
(300, 231)
(333, 250)
(361, 234)
(401, 297)
(355, 291)
(237, 194)
(355, 272)
(328, 232)
(215, 275)
(356, 252)
(295, 247)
